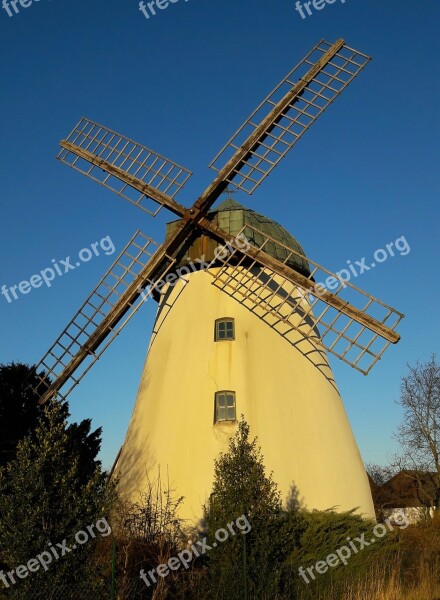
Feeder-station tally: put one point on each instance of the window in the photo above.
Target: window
(224, 406)
(224, 329)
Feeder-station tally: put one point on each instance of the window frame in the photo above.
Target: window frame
(217, 338)
(217, 407)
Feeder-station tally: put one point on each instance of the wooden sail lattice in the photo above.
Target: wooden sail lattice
(304, 308)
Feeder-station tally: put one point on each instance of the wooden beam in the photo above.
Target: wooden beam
(127, 178)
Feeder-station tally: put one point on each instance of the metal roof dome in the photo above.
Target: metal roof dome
(232, 217)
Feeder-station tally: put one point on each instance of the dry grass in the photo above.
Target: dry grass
(413, 573)
(379, 587)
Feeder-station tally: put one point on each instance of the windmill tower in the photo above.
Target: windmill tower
(243, 326)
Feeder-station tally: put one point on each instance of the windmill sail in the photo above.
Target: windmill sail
(114, 301)
(104, 155)
(348, 322)
(289, 111)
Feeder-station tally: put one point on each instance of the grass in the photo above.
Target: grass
(377, 585)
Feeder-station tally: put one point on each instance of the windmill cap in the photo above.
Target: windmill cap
(232, 217)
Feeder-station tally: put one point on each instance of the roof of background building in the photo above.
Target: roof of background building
(405, 489)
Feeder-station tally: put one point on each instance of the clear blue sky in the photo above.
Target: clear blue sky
(181, 83)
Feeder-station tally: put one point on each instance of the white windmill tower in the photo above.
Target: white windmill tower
(245, 334)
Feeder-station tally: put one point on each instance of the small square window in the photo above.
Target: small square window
(224, 329)
(225, 409)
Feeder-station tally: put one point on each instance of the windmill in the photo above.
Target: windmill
(250, 332)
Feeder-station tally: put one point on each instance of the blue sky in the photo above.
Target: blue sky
(181, 83)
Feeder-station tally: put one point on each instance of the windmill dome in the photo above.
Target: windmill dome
(232, 217)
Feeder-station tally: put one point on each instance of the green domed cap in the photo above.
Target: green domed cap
(232, 217)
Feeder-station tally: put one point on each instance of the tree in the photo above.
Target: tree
(20, 413)
(254, 560)
(419, 433)
(380, 474)
(49, 493)
(19, 407)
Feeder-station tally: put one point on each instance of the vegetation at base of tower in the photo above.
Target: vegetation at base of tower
(325, 533)
(54, 486)
(241, 487)
(406, 568)
(401, 565)
(148, 534)
(264, 563)
(51, 490)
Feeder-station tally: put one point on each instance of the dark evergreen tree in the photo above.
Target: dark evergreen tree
(53, 489)
(19, 407)
(253, 561)
(20, 412)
